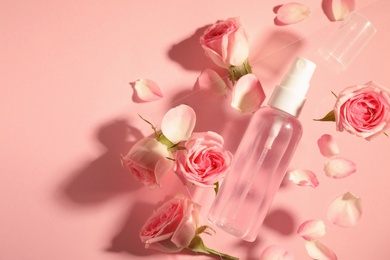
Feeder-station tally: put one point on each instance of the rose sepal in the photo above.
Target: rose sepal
(236, 72)
(328, 117)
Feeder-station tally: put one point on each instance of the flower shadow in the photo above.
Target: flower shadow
(273, 53)
(214, 113)
(189, 53)
(127, 238)
(104, 177)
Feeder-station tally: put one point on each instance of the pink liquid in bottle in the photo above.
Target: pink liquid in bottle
(262, 157)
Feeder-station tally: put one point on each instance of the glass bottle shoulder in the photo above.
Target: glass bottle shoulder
(270, 115)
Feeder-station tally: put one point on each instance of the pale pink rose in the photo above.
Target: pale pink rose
(147, 161)
(226, 43)
(203, 162)
(363, 110)
(172, 226)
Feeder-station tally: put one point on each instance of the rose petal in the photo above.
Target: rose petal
(178, 123)
(291, 13)
(248, 94)
(212, 82)
(311, 229)
(337, 10)
(318, 250)
(345, 210)
(276, 252)
(339, 167)
(328, 146)
(304, 178)
(147, 90)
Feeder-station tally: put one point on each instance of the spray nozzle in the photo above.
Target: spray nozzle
(290, 95)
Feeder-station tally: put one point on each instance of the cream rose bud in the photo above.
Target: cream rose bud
(147, 161)
(363, 110)
(172, 226)
(226, 43)
(203, 162)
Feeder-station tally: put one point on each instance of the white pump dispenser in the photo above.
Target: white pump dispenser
(290, 95)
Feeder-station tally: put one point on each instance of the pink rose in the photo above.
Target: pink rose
(203, 162)
(172, 226)
(147, 161)
(363, 110)
(226, 43)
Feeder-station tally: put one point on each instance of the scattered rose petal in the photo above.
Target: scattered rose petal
(339, 167)
(312, 229)
(318, 250)
(276, 252)
(291, 13)
(345, 210)
(147, 90)
(337, 10)
(178, 123)
(328, 146)
(248, 94)
(304, 178)
(212, 82)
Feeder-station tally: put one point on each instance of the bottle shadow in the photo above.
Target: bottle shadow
(281, 221)
(278, 220)
(104, 177)
(269, 58)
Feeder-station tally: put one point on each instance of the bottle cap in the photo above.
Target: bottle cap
(290, 95)
(346, 42)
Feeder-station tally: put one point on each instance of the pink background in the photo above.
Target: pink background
(67, 111)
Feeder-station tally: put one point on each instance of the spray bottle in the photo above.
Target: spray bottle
(263, 157)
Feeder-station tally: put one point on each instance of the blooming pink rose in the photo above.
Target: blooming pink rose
(226, 43)
(363, 110)
(203, 162)
(172, 226)
(147, 161)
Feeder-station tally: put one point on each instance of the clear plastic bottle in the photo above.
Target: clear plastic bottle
(263, 157)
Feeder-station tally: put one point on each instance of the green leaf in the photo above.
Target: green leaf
(328, 117)
(216, 188)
